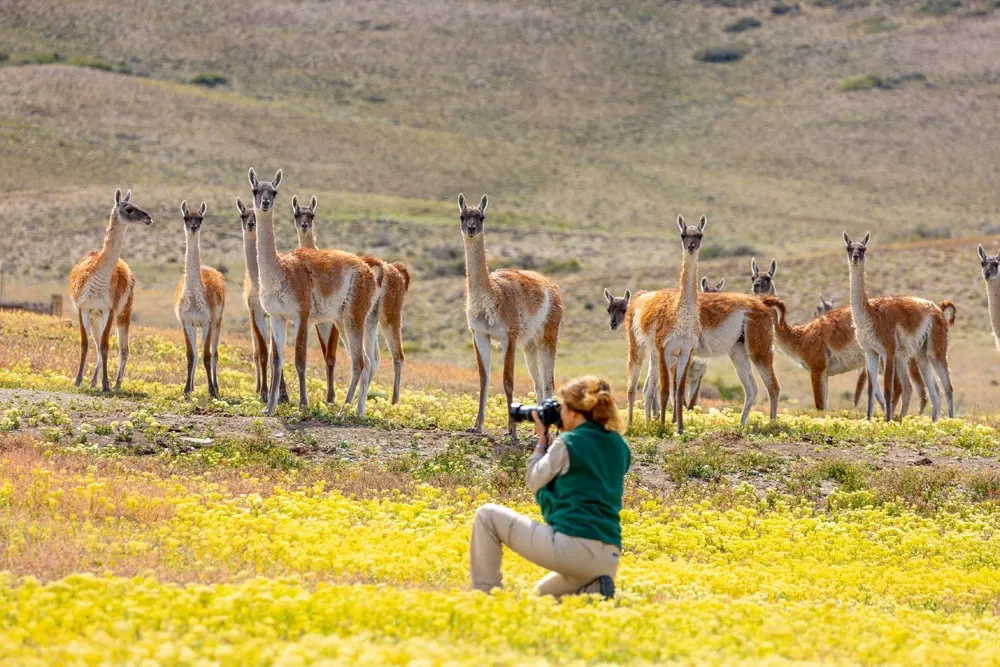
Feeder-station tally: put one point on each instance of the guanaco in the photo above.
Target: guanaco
(395, 284)
(260, 331)
(991, 274)
(733, 324)
(898, 327)
(199, 301)
(508, 306)
(102, 288)
(309, 285)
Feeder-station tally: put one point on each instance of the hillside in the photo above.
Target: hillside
(590, 125)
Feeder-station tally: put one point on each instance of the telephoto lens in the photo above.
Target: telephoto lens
(548, 412)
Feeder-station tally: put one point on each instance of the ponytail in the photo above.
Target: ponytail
(591, 396)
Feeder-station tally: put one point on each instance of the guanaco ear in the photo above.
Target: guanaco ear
(680, 223)
(128, 195)
(240, 206)
(720, 285)
(847, 240)
(607, 295)
(868, 236)
(482, 204)
(628, 296)
(184, 208)
(704, 283)
(774, 267)
(461, 203)
(982, 253)
(702, 222)
(203, 210)
(253, 178)
(753, 268)
(118, 196)
(277, 179)
(312, 204)
(295, 204)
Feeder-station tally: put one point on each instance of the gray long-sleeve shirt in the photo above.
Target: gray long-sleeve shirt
(543, 468)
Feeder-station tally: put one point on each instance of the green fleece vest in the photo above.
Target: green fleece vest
(587, 500)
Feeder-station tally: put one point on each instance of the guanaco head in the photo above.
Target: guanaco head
(763, 283)
(691, 235)
(856, 251)
(617, 307)
(991, 265)
(705, 287)
(247, 217)
(126, 211)
(193, 220)
(304, 216)
(264, 193)
(472, 218)
(825, 306)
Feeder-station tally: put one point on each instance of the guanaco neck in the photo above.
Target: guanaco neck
(860, 308)
(250, 255)
(993, 299)
(689, 282)
(192, 262)
(114, 239)
(267, 251)
(307, 238)
(477, 274)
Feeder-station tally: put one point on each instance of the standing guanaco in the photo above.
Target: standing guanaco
(102, 287)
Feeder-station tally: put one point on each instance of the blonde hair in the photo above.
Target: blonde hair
(591, 396)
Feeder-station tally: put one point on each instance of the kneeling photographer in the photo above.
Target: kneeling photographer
(578, 481)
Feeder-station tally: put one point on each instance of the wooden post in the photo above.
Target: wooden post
(57, 302)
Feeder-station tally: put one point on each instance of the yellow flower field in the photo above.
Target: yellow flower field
(110, 564)
(245, 552)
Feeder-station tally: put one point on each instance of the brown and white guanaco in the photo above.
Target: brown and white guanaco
(733, 324)
(991, 274)
(309, 285)
(395, 283)
(102, 288)
(696, 370)
(508, 306)
(825, 346)
(199, 301)
(899, 327)
(260, 328)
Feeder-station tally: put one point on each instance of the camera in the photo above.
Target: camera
(548, 412)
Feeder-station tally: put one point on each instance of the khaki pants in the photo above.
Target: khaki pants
(574, 561)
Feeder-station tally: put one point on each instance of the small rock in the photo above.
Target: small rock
(924, 461)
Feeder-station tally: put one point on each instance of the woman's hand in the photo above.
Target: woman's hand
(542, 431)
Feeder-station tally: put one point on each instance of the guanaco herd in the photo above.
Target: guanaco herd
(677, 330)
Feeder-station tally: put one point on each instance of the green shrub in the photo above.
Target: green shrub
(41, 58)
(101, 64)
(209, 79)
(571, 265)
(745, 23)
(781, 9)
(721, 54)
(876, 24)
(939, 7)
(860, 82)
